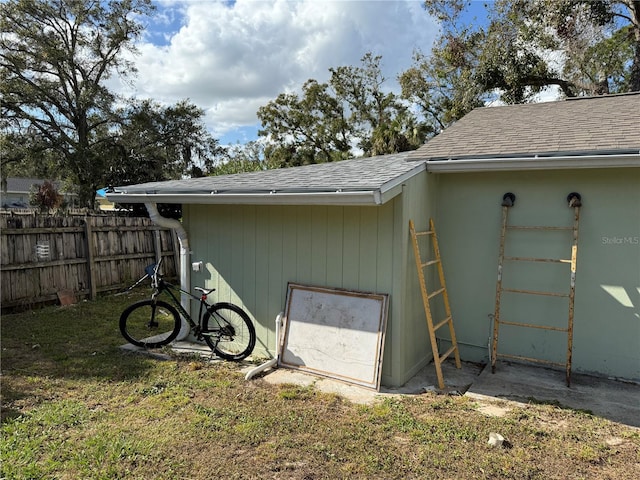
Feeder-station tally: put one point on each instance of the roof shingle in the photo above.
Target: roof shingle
(348, 175)
(587, 125)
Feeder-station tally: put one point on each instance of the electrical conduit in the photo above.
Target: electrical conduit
(273, 362)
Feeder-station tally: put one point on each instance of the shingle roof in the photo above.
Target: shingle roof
(19, 184)
(348, 175)
(589, 125)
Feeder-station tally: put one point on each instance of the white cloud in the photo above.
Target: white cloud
(229, 58)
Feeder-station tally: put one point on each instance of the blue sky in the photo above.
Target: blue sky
(230, 58)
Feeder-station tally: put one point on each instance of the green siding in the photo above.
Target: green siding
(413, 340)
(252, 252)
(607, 304)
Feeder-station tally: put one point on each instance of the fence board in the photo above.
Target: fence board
(86, 255)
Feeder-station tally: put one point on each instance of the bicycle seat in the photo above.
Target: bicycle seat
(204, 290)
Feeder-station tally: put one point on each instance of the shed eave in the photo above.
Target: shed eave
(368, 197)
(533, 163)
(394, 187)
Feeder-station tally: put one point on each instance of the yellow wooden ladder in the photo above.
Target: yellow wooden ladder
(426, 298)
(574, 201)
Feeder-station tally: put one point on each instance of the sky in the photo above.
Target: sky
(230, 58)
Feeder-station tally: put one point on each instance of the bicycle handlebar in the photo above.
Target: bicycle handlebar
(150, 271)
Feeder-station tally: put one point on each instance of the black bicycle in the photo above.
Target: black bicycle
(153, 323)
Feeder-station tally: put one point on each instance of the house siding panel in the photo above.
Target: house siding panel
(607, 305)
(251, 253)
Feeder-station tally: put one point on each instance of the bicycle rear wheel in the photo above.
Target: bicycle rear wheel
(150, 324)
(228, 331)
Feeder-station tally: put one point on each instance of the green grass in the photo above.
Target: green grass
(75, 406)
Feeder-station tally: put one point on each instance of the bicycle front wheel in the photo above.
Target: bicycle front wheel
(228, 331)
(150, 324)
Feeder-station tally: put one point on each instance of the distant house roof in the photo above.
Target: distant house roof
(361, 181)
(580, 130)
(23, 185)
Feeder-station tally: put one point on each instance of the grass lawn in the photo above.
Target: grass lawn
(75, 406)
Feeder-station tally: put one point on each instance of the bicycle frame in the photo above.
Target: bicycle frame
(163, 286)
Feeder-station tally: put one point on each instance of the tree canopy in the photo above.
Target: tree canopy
(582, 47)
(55, 58)
(328, 121)
(58, 115)
(153, 142)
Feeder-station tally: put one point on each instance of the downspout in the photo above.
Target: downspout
(185, 279)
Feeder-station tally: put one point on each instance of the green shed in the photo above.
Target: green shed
(345, 225)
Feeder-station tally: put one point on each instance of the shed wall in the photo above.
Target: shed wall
(251, 252)
(607, 302)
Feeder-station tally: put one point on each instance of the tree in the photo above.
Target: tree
(45, 196)
(329, 120)
(310, 129)
(581, 47)
(239, 158)
(55, 56)
(443, 85)
(26, 154)
(153, 142)
(371, 109)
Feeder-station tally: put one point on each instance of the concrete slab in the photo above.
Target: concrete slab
(180, 347)
(612, 399)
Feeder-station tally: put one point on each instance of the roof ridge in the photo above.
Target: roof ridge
(606, 95)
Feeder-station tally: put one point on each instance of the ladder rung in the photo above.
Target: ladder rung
(430, 262)
(535, 292)
(531, 259)
(437, 292)
(527, 227)
(444, 356)
(542, 327)
(437, 326)
(428, 232)
(529, 359)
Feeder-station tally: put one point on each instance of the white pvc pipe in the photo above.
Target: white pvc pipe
(185, 279)
(274, 360)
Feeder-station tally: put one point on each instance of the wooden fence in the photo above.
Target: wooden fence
(43, 258)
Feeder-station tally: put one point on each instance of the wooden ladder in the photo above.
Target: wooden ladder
(426, 298)
(574, 200)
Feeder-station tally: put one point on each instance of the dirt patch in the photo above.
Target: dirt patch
(493, 410)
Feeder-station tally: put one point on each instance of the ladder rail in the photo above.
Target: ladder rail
(572, 288)
(496, 314)
(427, 296)
(445, 294)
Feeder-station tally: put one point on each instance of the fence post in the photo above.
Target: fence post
(157, 245)
(88, 236)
